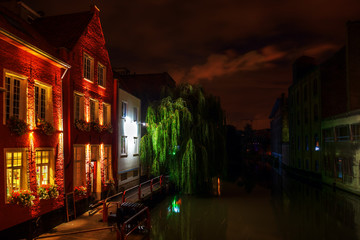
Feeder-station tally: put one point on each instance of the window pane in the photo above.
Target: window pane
(38, 174)
(7, 97)
(92, 110)
(36, 102)
(45, 174)
(42, 104)
(45, 157)
(17, 159)
(16, 98)
(16, 179)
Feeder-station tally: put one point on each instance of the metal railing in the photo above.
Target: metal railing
(125, 234)
(118, 234)
(106, 203)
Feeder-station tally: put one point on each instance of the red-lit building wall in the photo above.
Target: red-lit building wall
(24, 63)
(92, 43)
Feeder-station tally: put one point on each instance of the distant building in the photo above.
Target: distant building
(280, 131)
(324, 103)
(341, 151)
(304, 116)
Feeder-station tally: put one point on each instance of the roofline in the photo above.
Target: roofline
(33, 49)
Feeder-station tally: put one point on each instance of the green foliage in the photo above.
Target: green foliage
(17, 126)
(185, 138)
(48, 191)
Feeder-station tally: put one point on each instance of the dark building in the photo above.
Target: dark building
(324, 104)
(280, 131)
(304, 116)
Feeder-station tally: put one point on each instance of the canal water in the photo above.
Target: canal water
(287, 209)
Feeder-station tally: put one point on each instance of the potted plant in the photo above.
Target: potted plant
(80, 191)
(48, 191)
(108, 128)
(22, 197)
(96, 127)
(82, 125)
(17, 126)
(46, 127)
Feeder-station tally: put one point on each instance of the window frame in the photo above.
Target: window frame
(81, 112)
(51, 164)
(95, 111)
(107, 163)
(123, 110)
(23, 170)
(135, 114)
(22, 101)
(48, 101)
(90, 78)
(82, 164)
(103, 67)
(108, 117)
(136, 146)
(125, 145)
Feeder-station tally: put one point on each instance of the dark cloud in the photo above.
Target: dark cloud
(239, 50)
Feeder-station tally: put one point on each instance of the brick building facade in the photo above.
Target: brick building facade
(30, 98)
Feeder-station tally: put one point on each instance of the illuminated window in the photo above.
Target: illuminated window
(43, 159)
(79, 166)
(136, 146)
(135, 114)
(15, 102)
(316, 142)
(78, 106)
(106, 113)
(88, 68)
(16, 176)
(101, 75)
(42, 102)
(123, 146)
(94, 153)
(94, 110)
(107, 163)
(123, 109)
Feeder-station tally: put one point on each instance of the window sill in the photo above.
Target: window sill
(88, 80)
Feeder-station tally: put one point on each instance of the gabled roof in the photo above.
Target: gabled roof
(63, 30)
(15, 25)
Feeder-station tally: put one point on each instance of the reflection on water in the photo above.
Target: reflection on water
(290, 210)
(308, 212)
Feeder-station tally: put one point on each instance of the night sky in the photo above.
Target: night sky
(241, 51)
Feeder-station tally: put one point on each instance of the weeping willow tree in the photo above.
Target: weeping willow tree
(185, 138)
